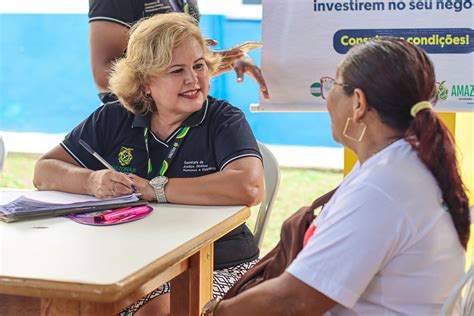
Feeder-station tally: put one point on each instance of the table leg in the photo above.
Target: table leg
(34, 306)
(193, 288)
(60, 307)
(19, 305)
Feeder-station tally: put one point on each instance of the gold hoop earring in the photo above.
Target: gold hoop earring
(348, 127)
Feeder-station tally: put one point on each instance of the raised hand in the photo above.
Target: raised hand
(236, 58)
(246, 65)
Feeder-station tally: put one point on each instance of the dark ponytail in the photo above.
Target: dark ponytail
(395, 75)
(435, 147)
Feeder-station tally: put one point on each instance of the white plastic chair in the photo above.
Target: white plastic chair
(272, 181)
(462, 297)
(3, 153)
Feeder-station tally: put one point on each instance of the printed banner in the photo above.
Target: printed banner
(304, 40)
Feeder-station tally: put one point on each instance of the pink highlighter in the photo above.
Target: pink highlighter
(126, 212)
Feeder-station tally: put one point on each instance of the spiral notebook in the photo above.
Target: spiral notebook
(23, 205)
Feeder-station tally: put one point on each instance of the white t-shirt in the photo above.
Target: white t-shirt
(384, 244)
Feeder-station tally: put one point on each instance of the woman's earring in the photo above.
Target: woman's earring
(354, 128)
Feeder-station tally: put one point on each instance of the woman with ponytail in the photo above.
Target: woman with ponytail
(392, 238)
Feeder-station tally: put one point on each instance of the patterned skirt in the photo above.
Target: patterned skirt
(224, 279)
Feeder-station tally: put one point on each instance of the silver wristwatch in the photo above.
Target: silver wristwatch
(158, 184)
(210, 307)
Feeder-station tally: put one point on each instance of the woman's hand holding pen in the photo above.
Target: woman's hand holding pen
(106, 183)
(143, 186)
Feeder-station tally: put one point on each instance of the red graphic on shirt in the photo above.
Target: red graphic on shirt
(308, 234)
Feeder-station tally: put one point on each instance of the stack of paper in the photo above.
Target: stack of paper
(20, 205)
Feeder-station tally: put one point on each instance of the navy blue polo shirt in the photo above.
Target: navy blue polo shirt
(218, 135)
(127, 12)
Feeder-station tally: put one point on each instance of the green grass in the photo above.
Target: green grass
(298, 187)
(18, 171)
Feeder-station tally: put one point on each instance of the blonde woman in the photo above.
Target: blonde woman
(109, 22)
(167, 139)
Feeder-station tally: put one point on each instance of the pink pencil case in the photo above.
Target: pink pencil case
(112, 217)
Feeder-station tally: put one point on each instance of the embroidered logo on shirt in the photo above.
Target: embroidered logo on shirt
(125, 156)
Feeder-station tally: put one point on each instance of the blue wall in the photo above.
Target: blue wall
(46, 83)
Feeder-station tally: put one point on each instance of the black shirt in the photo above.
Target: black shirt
(218, 135)
(127, 12)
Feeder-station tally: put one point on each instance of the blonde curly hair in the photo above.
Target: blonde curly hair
(149, 53)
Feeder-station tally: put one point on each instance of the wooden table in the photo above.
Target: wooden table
(58, 267)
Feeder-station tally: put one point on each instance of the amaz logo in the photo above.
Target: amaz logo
(443, 92)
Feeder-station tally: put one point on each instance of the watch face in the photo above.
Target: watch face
(159, 180)
(162, 180)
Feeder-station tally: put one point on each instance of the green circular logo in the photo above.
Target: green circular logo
(443, 92)
(315, 89)
(125, 156)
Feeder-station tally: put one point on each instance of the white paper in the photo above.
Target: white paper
(57, 197)
(26, 202)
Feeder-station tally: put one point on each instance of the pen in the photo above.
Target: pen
(96, 155)
(102, 160)
(126, 212)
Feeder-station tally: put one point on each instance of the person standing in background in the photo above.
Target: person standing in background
(109, 22)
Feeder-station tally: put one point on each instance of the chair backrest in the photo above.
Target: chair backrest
(3, 153)
(272, 181)
(462, 296)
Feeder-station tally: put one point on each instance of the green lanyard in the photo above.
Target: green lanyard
(174, 4)
(186, 7)
(176, 144)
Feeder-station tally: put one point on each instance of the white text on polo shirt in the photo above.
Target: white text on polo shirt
(197, 166)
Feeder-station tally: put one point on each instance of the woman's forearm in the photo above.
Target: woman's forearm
(59, 175)
(264, 299)
(53, 174)
(281, 296)
(241, 183)
(222, 189)
(252, 305)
